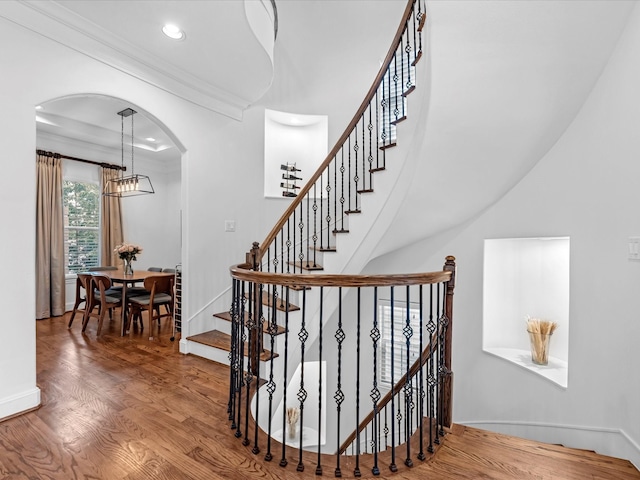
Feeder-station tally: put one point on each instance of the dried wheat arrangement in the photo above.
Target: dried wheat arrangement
(539, 335)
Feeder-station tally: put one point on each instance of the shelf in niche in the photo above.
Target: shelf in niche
(556, 371)
(527, 277)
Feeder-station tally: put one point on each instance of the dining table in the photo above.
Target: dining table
(127, 280)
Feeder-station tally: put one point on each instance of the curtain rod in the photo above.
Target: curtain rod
(101, 164)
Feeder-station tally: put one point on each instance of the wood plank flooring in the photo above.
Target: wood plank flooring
(128, 408)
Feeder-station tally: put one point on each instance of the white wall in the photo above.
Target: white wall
(217, 158)
(587, 188)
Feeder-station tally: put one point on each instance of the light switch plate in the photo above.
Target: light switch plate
(634, 248)
(229, 225)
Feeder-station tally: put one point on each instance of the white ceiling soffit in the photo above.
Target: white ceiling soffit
(507, 78)
(220, 65)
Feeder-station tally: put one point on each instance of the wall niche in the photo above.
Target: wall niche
(527, 277)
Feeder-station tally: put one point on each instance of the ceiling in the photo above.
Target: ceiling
(505, 78)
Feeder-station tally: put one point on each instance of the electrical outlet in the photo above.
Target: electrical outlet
(229, 225)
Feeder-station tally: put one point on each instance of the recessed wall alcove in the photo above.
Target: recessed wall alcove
(527, 277)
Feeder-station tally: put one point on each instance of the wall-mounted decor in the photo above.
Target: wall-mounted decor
(290, 176)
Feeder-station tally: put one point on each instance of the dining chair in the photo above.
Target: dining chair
(160, 293)
(99, 286)
(83, 286)
(168, 270)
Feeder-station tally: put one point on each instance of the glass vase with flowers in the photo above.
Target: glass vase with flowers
(128, 252)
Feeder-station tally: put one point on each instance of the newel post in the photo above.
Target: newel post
(449, 266)
(255, 309)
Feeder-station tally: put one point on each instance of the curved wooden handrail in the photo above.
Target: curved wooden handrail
(345, 135)
(337, 280)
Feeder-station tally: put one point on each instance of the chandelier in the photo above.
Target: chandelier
(130, 185)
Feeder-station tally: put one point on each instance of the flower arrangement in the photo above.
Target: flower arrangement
(128, 251)
(293, 414)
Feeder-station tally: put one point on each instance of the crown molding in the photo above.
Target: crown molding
(53, 21)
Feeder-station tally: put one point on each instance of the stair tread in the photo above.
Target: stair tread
(398, 120)
(265, 326)
(280, 305)
(409, 90)
(376, 169)
(349, 212)
(342, 230)
(366, 190)
(222, 341)
(388, 145)
(304, 265)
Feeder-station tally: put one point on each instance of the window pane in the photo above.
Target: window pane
(81, 202)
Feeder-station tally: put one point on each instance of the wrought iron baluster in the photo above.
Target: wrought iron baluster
(250, 362)
(349, 172)
(356, 177)
(431, 380)
(243, 339)
(393, 466)
(342, 199)
(421, 394)
(271, 386)
(358, 319)
(375, 392)
(303, 336)
(408, 334)
(308, 228)
(339, 395)
(256, 358)
(314, 237)
(438, 372)
(301, 227)
(321, 321)
(283, 459)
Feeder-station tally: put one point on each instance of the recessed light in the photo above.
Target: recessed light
(150, 139)
(172, 31)
(39, 107)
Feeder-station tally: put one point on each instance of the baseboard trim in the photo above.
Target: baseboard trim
(20, 403)
(613, 442)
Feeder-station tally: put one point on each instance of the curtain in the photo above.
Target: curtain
(50, 295)
(111, 222)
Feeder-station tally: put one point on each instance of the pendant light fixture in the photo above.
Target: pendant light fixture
(131, 185)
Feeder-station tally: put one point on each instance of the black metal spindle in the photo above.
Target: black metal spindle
(421, 455)
(339, 395)
(303, 335)
(301, 227)
(349, 173)
(321, 321)
(393, 466)
(375, 392)
(250, 364)
(243, 339)
(342, 199)
(408, 334)
(283, 459)
(233, 370)
(431, 328)
(259, 321)
(438, 372)
(271, 386)
(358, 319)
(356, 176)
(308, 230)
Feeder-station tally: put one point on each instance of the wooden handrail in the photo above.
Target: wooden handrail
(240, 272)
(345, 135)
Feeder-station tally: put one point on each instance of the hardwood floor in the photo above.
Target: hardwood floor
(130, 408)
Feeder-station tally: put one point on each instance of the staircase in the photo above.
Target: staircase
(332, 224)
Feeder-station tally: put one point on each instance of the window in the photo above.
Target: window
(81, 204)
(399, 340)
